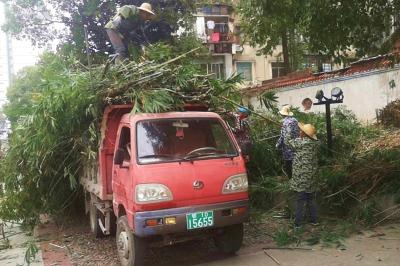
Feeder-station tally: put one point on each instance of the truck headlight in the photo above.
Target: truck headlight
(236, 183)
(152, 193)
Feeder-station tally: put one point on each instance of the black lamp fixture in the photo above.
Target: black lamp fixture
(320, 96)
(337, 96)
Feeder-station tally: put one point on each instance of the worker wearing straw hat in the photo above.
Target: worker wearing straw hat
(304, 170)
(124, 23)
(289, 128)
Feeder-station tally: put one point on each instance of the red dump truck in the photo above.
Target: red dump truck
(166, 178)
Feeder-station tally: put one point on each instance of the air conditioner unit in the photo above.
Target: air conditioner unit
(238, 48)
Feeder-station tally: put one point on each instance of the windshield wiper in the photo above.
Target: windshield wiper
(156, 156)
(189, 157)
(214, 155)
(162, 156)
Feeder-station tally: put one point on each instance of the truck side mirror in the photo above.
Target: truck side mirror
(119, 156)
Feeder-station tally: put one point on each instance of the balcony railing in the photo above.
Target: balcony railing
(215, 10)
(215, 27)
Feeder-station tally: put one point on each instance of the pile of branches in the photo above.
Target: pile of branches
(162, 83)
(390, 115)
(56, 108)
(364, 166)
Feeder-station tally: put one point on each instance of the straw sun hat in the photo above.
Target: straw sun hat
(309, 130)
(146, 7)
(286, 111)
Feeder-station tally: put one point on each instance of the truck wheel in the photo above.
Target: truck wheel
(94, 214)
(230, 240)
(131, 249)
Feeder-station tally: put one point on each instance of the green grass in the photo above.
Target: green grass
(284, 237)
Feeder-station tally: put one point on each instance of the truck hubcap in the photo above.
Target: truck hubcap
(123, 244)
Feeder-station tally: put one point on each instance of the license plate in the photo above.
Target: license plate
(199, 220)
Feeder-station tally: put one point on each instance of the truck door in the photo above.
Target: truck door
(122, 178)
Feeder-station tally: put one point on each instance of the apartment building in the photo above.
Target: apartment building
(218, 27)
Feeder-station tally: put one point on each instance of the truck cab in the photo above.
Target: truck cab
(170, 177)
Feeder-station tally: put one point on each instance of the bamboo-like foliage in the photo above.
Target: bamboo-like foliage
(56, 108)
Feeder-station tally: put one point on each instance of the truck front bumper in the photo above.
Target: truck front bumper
(225, 214)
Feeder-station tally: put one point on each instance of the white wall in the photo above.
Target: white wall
(363, 93)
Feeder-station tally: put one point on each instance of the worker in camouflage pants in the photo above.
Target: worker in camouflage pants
(305, 165)
(121, 27)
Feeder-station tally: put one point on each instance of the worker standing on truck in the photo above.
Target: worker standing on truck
(289, 128)
(241, 130)
(305, 166)
(121, 27)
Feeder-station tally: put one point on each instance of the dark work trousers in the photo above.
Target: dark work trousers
(288, 166)
(119, 45)
(304, 198)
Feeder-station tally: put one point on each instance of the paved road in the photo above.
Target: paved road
(380, 247)
(16, 254)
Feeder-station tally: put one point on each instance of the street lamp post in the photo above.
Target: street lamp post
(336, 97)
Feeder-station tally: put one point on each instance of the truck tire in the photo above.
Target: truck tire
(230, 240)
(95, 214)
(131, 249)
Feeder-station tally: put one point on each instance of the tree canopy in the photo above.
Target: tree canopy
(43, 21)
(331, 28)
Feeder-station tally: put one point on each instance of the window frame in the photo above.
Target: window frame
(209, 69)
(252, 69)
(121, 131)
(279, 68)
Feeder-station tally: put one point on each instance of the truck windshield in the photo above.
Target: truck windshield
(184, 139)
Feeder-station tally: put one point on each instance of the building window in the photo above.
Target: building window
(318, 63)
(245, 69)
(278, 69)
(326, 67)
(217, 69)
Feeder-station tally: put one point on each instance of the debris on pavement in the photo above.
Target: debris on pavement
(272, 257)
(377, 235)
(289, 248)
(57, 246)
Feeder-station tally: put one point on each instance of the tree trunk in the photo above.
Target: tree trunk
(293, 51)
(285, 50)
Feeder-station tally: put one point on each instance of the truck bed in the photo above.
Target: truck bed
(97, 175)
